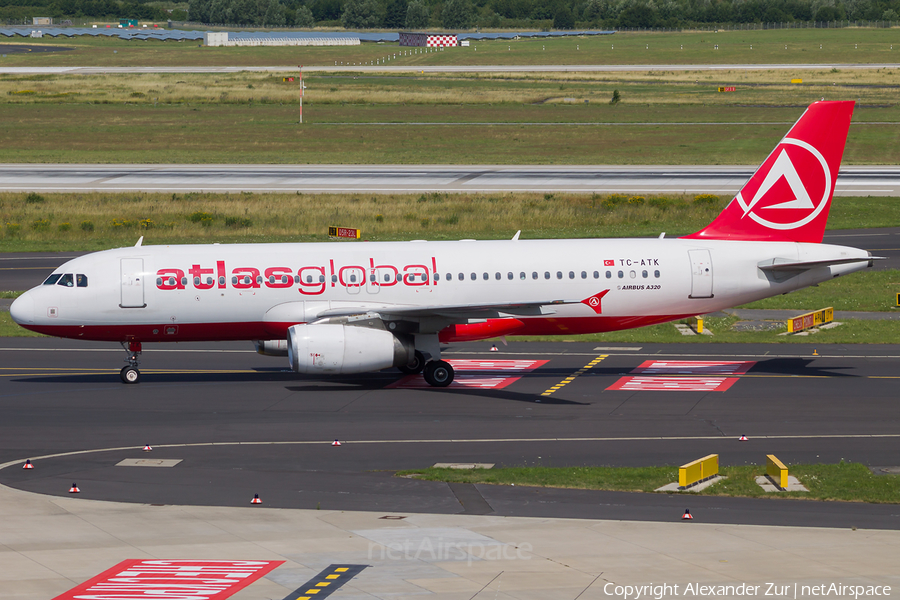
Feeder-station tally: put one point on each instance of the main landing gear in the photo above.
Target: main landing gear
(130, 373)
(416, 366)
(438, 373)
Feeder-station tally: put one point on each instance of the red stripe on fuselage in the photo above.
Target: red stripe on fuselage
(259, 330)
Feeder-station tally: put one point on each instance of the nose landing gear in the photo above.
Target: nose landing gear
(130, 373)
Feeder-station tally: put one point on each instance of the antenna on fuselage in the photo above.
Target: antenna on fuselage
(516, 237)
(139, 242)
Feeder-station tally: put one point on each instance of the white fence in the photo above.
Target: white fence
(223, 39)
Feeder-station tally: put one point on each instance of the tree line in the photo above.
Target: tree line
(465, 14)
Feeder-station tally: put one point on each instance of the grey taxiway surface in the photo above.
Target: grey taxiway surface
(242, 424)
(853, 181)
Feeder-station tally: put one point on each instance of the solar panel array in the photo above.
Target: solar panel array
(178, 34)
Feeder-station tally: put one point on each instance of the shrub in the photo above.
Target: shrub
(706, 199)
(64, 227)
(34, 198)
(200, 217)
(379, 218)
(660, 203)
(87, 226)
(612, 201)
(13, 228)
(237, 222)
(636, 200)
(145, 224)
(40, 224)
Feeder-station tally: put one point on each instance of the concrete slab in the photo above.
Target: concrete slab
(794, 484)
(674, 487)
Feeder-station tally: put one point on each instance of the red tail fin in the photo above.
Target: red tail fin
(789, 196)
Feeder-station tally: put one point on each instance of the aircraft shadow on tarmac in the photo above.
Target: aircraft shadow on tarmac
(797, 366)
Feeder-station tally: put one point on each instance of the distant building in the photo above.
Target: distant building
(42, 20)
(428, 40)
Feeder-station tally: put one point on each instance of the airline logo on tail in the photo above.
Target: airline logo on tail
(788, 197)
(795, 199)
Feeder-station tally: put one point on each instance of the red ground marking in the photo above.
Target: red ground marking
(490, 374)
(171, 580)
(693, 367)
(674, 384)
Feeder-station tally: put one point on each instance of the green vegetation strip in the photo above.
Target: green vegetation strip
(849, 482)
(782, 46)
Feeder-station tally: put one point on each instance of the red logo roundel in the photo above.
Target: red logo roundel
(790, 189)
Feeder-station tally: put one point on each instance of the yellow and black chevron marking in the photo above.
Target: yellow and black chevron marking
(326, 582)
(572, 377)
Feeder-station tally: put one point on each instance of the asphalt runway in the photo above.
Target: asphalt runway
(24, 270)
(30, 48)
(853, 181)
(242, 424)
(449, 68)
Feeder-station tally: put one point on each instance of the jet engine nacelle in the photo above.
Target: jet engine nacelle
(272, 347)
(336, 348)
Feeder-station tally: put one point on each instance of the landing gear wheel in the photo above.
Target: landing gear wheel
(438, 373)
(416, 366)
(130, 374)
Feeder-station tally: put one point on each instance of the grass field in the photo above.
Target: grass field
(848, 482)
(852, 45)
(94, 221)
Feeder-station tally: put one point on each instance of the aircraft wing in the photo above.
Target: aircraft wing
(461, 311)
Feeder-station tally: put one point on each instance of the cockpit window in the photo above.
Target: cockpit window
(53, 279)
(81, 280)
(67, 280)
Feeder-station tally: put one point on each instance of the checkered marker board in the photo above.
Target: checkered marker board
(436, 41)
(673, 384)
(693, 367)
(196, 579)
(480, 374)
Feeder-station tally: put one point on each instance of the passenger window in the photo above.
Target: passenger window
(644, 274)
(484, 276)
(233, 281)
(609, 274)
(437, 276)
(309, 279)
(509, 275)
(571, 274)
(632, 274)
(534, 275)
(53, 279)
(334, 279)
(497, 275)
(559, 274)
(321, 279)
(66, 280)
(196, 281)
(596, 274)
(584, 274)
(546, 274)
(81, 280)
(353, 278)
(184, 281)
(621, 274)
(461, 277)
(209, 280)
(522, 275)
(656, 274)
(474, 277)
(296, 279)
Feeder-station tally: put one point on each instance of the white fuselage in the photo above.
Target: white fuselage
(256, 291)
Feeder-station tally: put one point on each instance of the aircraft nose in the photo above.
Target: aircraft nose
(22, 309)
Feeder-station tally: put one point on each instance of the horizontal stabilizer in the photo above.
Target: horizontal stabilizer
(786, 264)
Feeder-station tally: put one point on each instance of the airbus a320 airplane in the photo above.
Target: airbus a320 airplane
(362, 307)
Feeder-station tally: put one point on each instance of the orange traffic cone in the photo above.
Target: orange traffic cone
(147, 448)
(28, 465)
(74, 489)
(743, 438)
(256, 499)
(335, 443)
(687, 515)
(494, 348)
